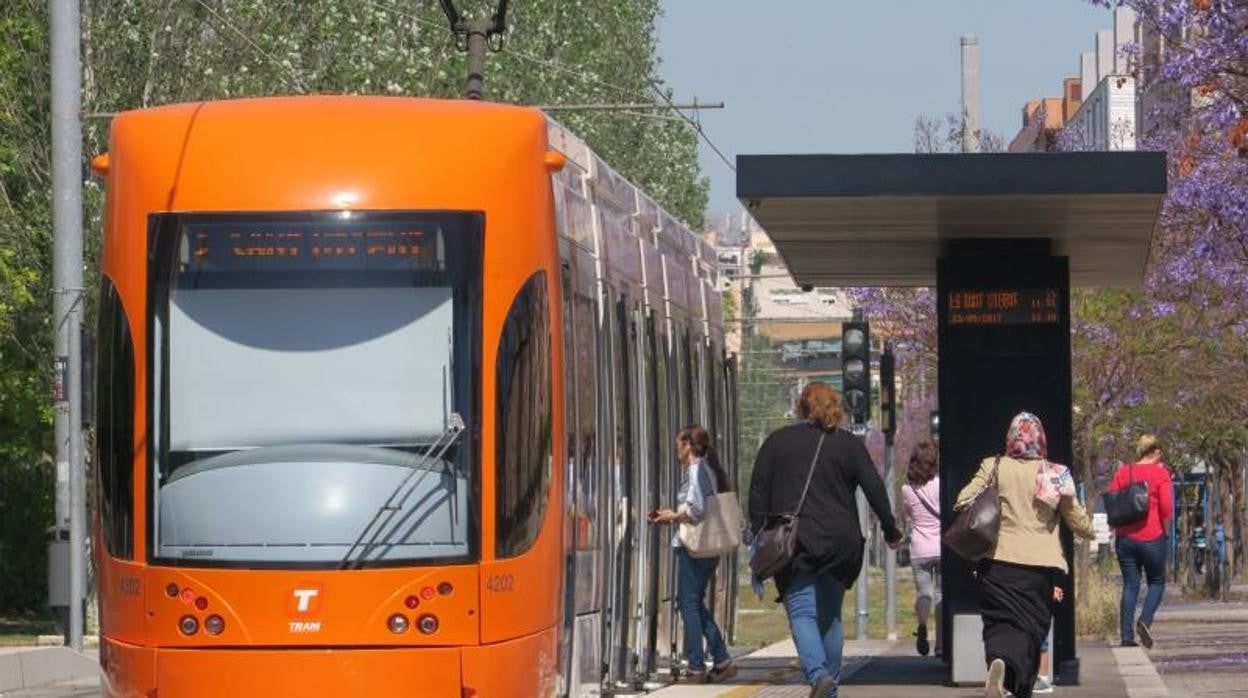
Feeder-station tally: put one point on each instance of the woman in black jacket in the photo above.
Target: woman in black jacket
(829, 553)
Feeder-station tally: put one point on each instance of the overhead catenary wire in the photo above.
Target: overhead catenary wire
(512, 51)
(697, 127)
(693, 123)
(298, 83)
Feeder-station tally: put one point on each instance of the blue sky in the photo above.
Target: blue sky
(850, 76)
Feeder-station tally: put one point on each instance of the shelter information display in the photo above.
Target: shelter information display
(1004, 306)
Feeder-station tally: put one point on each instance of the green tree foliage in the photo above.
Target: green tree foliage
(141, 53)
(144, 53)
(26, 475)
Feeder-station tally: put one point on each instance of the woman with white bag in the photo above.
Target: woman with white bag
(705, 534)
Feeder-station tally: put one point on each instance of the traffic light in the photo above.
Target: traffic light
(888, 393)
(856, 368)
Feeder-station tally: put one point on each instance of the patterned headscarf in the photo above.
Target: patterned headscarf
(1026, 437)
(1025, 440)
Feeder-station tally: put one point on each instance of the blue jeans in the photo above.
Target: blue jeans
(1133, 557)
(813, 604)
(694, 575)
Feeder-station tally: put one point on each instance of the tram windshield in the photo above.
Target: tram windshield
(305, 368)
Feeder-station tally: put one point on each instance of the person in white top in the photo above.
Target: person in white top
(702, 476)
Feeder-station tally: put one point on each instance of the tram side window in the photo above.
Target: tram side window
(114, 425)
(587, 400)
(522, 420)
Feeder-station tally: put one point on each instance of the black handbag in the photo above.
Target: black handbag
(973, 534)
(1129, 504)
(775, 546)
(903, 553)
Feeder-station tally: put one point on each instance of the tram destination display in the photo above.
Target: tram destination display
(310, 247)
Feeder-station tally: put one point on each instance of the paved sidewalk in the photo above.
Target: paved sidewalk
(879, 669)
(1202, 647)
(81, 688)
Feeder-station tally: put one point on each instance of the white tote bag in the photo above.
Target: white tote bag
(719, 531)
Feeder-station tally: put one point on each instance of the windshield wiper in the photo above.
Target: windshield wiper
(399, 496)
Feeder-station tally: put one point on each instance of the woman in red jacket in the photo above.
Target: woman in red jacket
(1141, 546)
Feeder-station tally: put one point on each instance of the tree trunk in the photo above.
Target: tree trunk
(1227, 489)
(1237, 475)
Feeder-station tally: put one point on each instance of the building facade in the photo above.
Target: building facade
(1099, 109)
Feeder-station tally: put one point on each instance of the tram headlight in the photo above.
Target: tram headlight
(427, 624)
(397, 624)
(188, 625)
(445, 589)
(214, 624)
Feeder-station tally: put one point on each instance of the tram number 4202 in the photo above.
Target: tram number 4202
(500, 583)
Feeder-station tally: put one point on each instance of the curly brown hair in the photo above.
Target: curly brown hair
(820, 404)
(924, 463)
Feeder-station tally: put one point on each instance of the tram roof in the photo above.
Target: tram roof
(883, 220)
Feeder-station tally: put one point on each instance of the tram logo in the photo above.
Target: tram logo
(302, 627)
(304, 600)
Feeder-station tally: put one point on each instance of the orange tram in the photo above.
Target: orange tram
(386, 387)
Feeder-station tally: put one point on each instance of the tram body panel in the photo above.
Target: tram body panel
(303, 672)
(528, 559)
(497, 670)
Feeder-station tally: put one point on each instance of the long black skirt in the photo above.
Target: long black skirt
(1015, 603)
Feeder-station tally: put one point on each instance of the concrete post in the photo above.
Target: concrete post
(66, 96)
(861, 585)
(970, 94)
(890, 557)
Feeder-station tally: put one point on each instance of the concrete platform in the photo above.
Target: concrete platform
(29, 667)
(876, 669)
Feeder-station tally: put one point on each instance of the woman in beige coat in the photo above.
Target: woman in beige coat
(1018, 577)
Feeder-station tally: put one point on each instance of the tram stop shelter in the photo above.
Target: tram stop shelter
(1002, 237)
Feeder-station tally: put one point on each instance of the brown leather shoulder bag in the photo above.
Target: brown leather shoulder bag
(973, 534)
(774, 548)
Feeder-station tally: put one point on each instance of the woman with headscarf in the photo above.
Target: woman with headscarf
(1017, 578)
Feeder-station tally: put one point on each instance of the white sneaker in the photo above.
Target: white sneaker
(1042, 686)
(994, 687)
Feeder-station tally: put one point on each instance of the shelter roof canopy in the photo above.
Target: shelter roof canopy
(883, 220)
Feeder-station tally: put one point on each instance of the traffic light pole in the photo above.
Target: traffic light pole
(856, 399)
(888, 424)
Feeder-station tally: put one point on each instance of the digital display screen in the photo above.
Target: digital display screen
(1007, 306)
(293, 247)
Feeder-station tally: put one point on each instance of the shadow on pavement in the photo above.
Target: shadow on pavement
(908, 671)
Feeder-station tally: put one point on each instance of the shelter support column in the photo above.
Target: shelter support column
(1004, 347)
